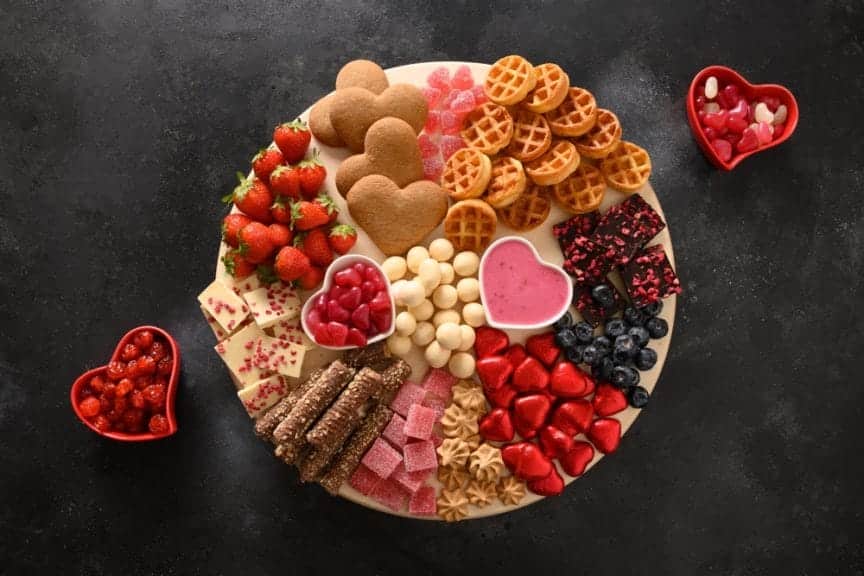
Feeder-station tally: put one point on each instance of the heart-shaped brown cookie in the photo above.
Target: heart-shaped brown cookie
(391, 150)
(354, 110)
(396, 218)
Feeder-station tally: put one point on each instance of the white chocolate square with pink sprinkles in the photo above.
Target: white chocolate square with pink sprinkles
(224, 306)
(272, 304)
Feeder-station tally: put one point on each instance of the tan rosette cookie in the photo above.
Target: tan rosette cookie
(458, 422)
(598, 142)
(470, 225)
(452, 477)
(509, 80)
(550, 90)
(576, 115)
(555, 165)
(507, 183)
(473, 441)
(452, 505)
(485, 463)
(627, 167)
(511, 490)
(470, 398)
(354, 110)
(582, 191)
(466, 174)
(453, 452)
(529, 211)
(488, 128)
(481, 494)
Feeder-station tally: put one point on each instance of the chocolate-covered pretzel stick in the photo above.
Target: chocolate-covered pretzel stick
(348, 459)
(267, 423)
(393, 378)
(374, 356)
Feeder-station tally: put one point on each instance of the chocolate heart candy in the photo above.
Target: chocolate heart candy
(554, 442)
(573, 416)
(530, 411)
(605, 434)
(530, 376)
(608, 400)
(551, 485)
(568, 381)
(526, 461)
(543, 347)
(490, 341)
(577, 458)
(494, 371)
(496, 426)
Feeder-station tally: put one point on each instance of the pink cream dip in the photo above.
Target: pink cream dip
(518, 289)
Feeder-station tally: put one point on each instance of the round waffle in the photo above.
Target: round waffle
(576, 114)
(507, 183)
(627, 167)
(582, 191)
(555, 165)
(550, 91)
(466, 174)
(531, 136)
(488, 128)
(602, 138)
(529, 211)
(509, 80)
(470, 225)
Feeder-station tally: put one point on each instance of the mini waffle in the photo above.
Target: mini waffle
(509, 80)
(466, 174)
(598, 142)
(470, 225)
(582, 191)
(529, 211)
(488, 128)
(550, 91)
(507, 183)
(627, 167)
(576, 114)
(531, 136)
(555, 165)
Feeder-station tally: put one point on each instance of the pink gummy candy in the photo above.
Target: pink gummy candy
(749, 141)
(462, 79)
(422, 502)
(364, 480)
(420, 456)
(432, 168)
(439, 78)
(382, 459)
(408, 394)
(463, 102)
(450, 144)
(433, 121)
(395, 431)
(410, 481)
(479, 95)
(432, 95)
(390, 494)
(428, 146)
(439, 382)
(764, 132)
(723, 149)
(448, 99)
(436, 403)
(450, 122)
(419, 422)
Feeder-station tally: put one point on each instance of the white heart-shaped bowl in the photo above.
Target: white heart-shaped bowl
(484, 298)
(337, 265)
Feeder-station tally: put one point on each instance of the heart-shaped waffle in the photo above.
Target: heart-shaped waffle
(507, 183)
(627, 167)
(550, 90)
(531, 136)
(555, 165)
(466, 174)
(582, 191)
(509, 80)
(529, 211)
(470, 225)
(488, 128)
(576, 114)
(602, 138)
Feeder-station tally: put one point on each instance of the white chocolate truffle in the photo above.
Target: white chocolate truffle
(448, 336)
(447, 273)
(415, 256)
(444, 316)
(422, 311)
(474, 314)
(429, 274)
(394, 268)
(468, 337)
(396, 289)
(468, 289)
(465, 263)
(461, 365)
(436, 356)
(444, 297)
(399, 345)
(441, 249)
(410, 294)
(406, 323)
(423, 334)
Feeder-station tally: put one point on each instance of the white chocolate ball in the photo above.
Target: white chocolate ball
(405, 323)
(461, 365)
(444, 297)
(448, 336)
(436, 356)
(445, 316)
(394, 268)
(465, 263)
(423, 334)
(399, 345)
(411, 293)
(474, 314)
(441, 249)
(415, 256)
(429, 273)
(468, 337)
(447, 273)
(422, 311)
(468, 289)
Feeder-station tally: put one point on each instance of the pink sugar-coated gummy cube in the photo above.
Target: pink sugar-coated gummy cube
(382, 459)
(419, 422)
(410, 481)
(422, 502)
(395, 431)
(451, 123)
(390, 494)
(463, 102)
(439, 78)
(439, 382)
(433, 121)
(450, 144)
(410, 393)
(428, 145)
(364, 480)
(432, 95)
(436, 404)
(479, 95)
(448, 98)
(432, 168)
(462, 78)
(420, 456)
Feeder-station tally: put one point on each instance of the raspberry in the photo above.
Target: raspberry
(137, 399)
(90, 407)
(131, 369)
(104, 404)
(120, 404)
(143, 339)
(130, 352)
(146, 366)
(154, 395)
(124, 387)
(101, 423)
(116, 370)
(143, 381)
(97, 384)
(157, 351)
(158, 424)
(110, 390)
(165, 365)
(132, 418)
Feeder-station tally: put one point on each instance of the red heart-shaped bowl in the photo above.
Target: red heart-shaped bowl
(752, 92)
(170, 393)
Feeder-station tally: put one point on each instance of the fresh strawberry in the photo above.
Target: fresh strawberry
(290, 264)
(266, 274)
(280, 234)
(253, 198)
(307, 215)
(312, 175)
(314, 244)
(311, 279)
(281, 210)
(255, 243)
(236, 265)
(231, 225)
(329, 206)
(342, 238)
(265, 162)
(293, 139)
(285, 181)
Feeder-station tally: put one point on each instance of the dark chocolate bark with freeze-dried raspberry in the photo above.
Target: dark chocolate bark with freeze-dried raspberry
(649, 276)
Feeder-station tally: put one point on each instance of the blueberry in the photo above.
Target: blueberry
(574, 354)
(639, 335)
(604, 295)
(624, 377)
(638, 397)
(603, 344)
(584, 332)
(646, 359)
(603, 369)
(633, 316)
(565, 338)
(590, 355)
(625, 345)
(564, 321)
(657, 327)
(615, 328)
(652, 309)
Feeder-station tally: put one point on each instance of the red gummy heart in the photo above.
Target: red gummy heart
(568, 381)
(496, 426)
(608, 400)
(579, 456)
(573, 416)
(489, 341)
(605, 434)
(543, 347)
(530, 376)
(493, 371)
(526, 461)
(530, 411)
(554, 442)
(515, 355)
(502, 397)
(551, 485)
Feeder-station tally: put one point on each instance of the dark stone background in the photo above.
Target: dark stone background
(121, 125)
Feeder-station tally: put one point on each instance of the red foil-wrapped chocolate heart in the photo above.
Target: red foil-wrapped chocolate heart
(554, 442)
(573, 416)
(526, 461)
(496, 426)
(543, 347)
(551, 485)
(530, 376)
(608, 400)
(605, 434)
(577, 458)
(568, 381)
(490, 341)
(494, 371)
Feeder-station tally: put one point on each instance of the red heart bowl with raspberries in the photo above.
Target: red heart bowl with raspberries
(726, 147)
(131, 399)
